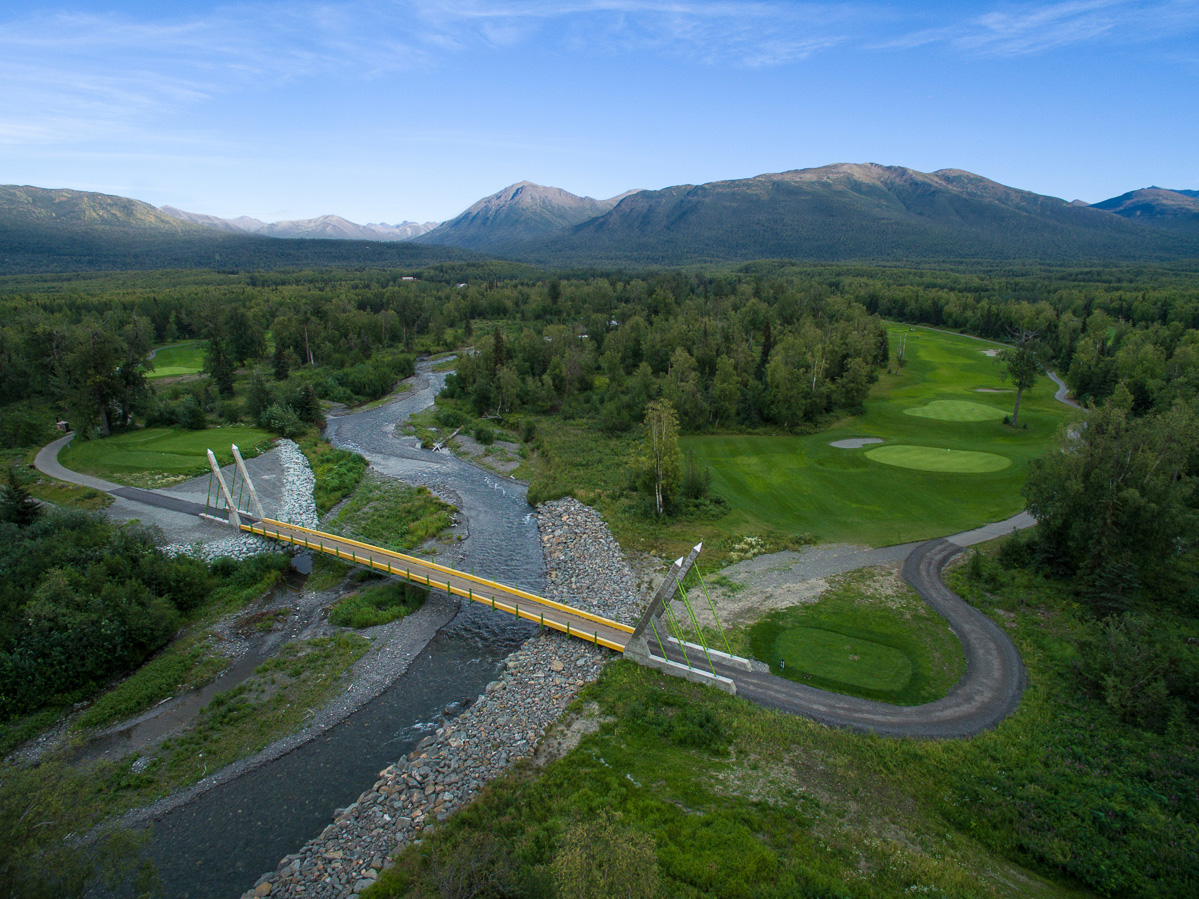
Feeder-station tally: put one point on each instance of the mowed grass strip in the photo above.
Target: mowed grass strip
(929, 458)
(178, 359)
(156, 457)
(831, 655)
(799, 484)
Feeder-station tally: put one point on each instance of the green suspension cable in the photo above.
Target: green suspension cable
(678, 632)
(695, 623)
(658, 637)
(712, 606)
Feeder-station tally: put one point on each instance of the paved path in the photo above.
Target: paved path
(1063, 390)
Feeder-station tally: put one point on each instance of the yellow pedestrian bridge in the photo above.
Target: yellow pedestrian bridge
(545, 612)
(246, 514)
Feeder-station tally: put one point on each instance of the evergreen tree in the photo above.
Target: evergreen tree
(17, 505)
(219, 363)
(282, 361)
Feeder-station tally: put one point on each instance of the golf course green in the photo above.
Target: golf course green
(930, 458)
(957, 410)
(888, 645)
(947, 462)
(177, 359)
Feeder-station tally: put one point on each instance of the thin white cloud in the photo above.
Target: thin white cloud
(1031, 28)
(752, 34)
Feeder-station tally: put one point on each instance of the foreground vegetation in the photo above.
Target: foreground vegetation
(728, 799)
(1090, 783)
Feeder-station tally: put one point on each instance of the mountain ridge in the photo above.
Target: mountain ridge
(844, 212)
(1161, 207)
(863, 212)
(521, 211)
(322, 227)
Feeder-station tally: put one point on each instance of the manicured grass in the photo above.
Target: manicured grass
(837, 656)
(957, 410)
(799, 484)
(871, 636)
(176, 359)
(933, 458)
(159, 457)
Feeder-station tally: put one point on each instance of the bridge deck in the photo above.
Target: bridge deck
(571, 621)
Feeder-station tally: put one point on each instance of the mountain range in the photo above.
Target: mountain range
(843, 212)
(324, 227)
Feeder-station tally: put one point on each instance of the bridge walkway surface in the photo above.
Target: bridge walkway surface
(537, 609)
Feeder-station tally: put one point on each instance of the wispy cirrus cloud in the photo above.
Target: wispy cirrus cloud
(753, 34)
(1032, 28)
(66, 74)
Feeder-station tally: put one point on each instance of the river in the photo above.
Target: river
(219, 844)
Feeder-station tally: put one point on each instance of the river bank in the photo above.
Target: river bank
(508, 722)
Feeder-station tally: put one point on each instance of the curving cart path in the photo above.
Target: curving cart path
(989, 691)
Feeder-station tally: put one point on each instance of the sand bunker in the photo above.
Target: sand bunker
(855, 442)
(990, 352)
(991, 390)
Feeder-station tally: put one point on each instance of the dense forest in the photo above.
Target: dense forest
(763, 346)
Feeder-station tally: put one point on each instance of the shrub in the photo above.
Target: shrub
(626, 867)
(283, 420)
(189, 414)
(376, 605)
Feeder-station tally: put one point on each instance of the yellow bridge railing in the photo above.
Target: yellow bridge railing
(332, 544)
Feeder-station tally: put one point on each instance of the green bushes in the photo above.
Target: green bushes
(377, 604)
(1092, 781)
(337, 471)
(392, 514)
(83, 600)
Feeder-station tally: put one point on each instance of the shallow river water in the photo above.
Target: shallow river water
(219, 844)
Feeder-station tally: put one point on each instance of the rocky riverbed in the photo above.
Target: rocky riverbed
(506, 723)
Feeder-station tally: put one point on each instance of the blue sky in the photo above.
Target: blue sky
(384, 110)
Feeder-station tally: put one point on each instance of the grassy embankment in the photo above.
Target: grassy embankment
(395, 516)
(161, 457)
(273, 702)
(1061, 799)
